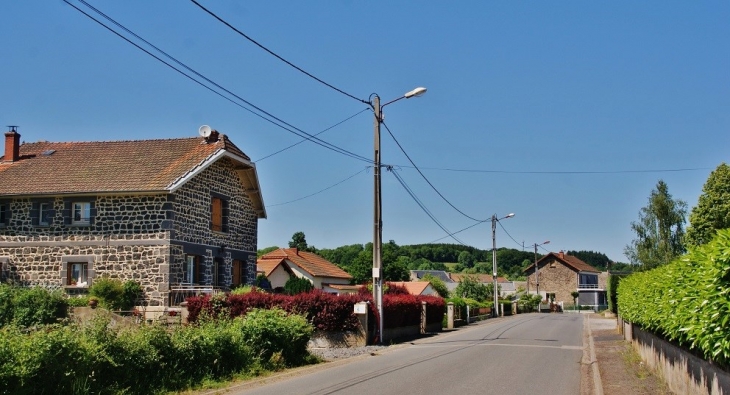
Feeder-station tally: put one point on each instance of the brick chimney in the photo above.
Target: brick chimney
(561, 254)
(12, 145)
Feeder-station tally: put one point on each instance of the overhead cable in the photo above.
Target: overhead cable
(317, 134)
(274, 54)
(290, 128)
(429, 182)
(422, 206)
(318, 192)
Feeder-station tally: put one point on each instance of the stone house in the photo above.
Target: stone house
(178, 215)
(280, 265)
(559, 274)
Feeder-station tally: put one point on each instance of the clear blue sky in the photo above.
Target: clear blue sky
(529, 95)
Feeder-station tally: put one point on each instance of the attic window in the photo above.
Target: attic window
(48, 152)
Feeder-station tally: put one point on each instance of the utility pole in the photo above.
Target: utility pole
(495, 310)
(378, 223)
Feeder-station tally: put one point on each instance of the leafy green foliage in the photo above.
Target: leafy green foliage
(97, 358)
(713, 208)
(299, 241)
(686, 301)
(437, 285)
(659, 231)
(265, 251)
(470, 288)
(27, 307)
(273, 332)
(611, 290)
(296, 285)
(114, 294)
(528, 302)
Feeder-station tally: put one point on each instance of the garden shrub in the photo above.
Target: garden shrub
(272, 332)
(114, 294)
(7, 293)
(295, 285)
(686, 301)
(38, 306)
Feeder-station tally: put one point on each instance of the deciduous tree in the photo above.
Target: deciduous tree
(659, 230)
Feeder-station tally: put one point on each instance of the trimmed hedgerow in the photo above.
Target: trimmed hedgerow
(96, 358)
(326, 312)
(686, 301)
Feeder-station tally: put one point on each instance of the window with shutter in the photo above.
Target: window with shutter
(217, 214)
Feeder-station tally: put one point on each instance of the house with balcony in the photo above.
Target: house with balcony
(557, 275)
(179, 216)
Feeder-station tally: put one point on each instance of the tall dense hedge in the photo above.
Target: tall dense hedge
(326, 312)
(687, 300)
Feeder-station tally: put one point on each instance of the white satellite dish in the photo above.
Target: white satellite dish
(205, 131)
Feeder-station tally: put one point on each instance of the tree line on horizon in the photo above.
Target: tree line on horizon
(357, 259)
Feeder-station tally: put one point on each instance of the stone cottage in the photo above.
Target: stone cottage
(176, 215)
(560, 274)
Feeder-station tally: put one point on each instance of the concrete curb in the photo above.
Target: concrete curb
(589, 357)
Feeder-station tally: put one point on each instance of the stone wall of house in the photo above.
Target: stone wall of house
(39, 260)
(192, 221)
(117, 220)
(192, 204)
(555, 278)
(111, 215)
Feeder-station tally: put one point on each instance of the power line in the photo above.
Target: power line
(458, 231)
(291, 128)
(317, 134)
(275, 55)
(429, 182)
(562, 172)
(422, 206)
(510, 236)
(320, 191)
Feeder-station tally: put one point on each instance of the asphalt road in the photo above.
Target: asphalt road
(525, 354)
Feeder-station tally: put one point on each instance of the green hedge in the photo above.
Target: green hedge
(94, 358)
(687, 300)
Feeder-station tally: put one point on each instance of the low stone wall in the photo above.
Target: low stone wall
(683, 372)
(322, 339)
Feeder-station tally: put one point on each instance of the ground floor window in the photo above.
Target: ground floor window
(78, 274)
(192, 271)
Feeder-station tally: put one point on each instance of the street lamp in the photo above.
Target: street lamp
(495, 311)
(378, 220)
(537, 272)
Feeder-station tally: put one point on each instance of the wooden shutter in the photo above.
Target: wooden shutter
(236, 273)
(217, 214)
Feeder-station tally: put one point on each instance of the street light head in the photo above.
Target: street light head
(510, 215)
(546, 242)
(416, 92)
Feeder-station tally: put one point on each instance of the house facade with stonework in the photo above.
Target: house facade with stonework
(179, 216)
(284, 263)
(560, 274)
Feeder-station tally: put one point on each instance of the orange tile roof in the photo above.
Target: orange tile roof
(106, 166)
(268, 266)
(568, 260)
(413, 287)
(309, 262)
